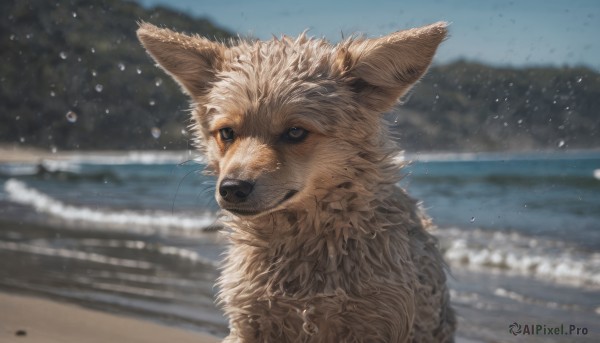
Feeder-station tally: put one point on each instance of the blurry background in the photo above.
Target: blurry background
(512, 76)
(103, 202)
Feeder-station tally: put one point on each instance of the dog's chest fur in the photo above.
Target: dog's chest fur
(353, 282)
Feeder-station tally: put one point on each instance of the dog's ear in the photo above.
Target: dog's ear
(383, 69)
(192, 61)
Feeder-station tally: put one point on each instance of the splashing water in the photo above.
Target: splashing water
(99, 88)
(63, 55)
(71, 116)
(155, 132)
(121, 66)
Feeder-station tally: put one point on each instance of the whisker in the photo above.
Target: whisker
(179, 187)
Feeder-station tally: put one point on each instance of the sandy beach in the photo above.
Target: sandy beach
(10, 153)
(30, 319)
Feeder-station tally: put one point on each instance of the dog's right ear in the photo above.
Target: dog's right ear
(192, 61)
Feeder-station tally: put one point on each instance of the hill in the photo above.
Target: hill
(472, 107)
(82, 58)
(73, 76)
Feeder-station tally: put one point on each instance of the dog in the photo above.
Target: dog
(324, 246)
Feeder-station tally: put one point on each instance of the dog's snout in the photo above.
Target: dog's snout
(235, 191)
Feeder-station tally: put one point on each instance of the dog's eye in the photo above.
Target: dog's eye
(295, 134)
(226, 134)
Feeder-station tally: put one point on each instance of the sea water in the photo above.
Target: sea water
(136, 233)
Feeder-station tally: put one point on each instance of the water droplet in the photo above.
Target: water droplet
(99, 88)
(155, 132)
(505, 124)
(17, 117)
(74, 15)
(579, 80)
(121, 66)
(138, 70)
(63, 55)
(497, 100)
(93, 50)
(107, 111)
(71, 116)
(520, 121)
(22, 139)
(94, 73)
(12, 37)
(472, 219)
(152, 102)
(78, 59)
(28, 36)
(158, 82)
(561, 143)
(184, 132)
(52, 94)
(54, 150)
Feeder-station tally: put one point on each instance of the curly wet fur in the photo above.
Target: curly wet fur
(347, 257)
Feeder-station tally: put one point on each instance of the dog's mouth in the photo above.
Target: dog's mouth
(243, 212)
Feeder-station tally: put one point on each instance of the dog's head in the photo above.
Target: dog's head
(285, 121)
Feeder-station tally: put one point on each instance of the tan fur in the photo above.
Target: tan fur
(326, 247)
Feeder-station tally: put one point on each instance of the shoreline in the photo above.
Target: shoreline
(34, 319)
(18, 154)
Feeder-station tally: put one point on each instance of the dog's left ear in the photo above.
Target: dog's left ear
(383, 69)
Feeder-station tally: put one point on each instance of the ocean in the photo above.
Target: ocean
(135, 233)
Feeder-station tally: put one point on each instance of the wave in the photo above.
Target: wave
(181, 253)
(502, 156)
(72, 163)
(137, 157)
(535, 257)
(147, 222)
(74, 254)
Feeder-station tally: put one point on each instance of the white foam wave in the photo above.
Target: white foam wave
(136, 157)
(515, 253)
(185, 254)
(74, 254)
(149, 222)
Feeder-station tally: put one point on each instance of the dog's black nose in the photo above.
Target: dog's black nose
(235, 191)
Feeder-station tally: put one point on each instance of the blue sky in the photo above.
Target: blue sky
(504, 32)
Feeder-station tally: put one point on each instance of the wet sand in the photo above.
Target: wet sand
(30, 319)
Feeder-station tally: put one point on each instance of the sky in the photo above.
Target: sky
(498, 32)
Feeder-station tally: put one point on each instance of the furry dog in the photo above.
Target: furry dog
(324, 246)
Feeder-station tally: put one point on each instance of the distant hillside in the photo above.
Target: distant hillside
(472, 107)
(73, 76)
(83, 56)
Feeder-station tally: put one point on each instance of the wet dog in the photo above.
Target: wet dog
(325, 247)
